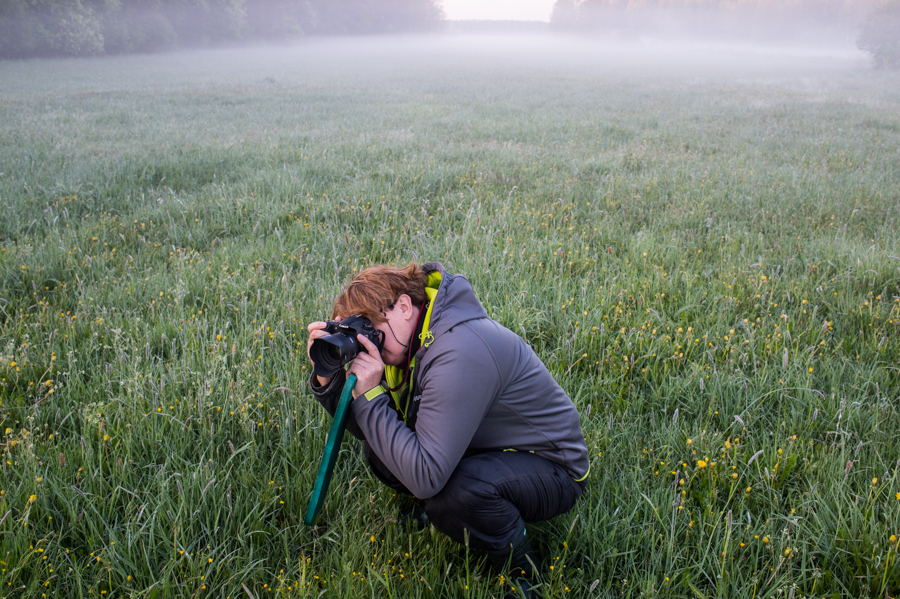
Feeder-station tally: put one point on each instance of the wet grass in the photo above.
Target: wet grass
(705, 256)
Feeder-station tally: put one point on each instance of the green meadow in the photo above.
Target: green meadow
(701, 243)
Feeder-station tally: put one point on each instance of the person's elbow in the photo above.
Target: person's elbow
(426, 491)
(428, 485)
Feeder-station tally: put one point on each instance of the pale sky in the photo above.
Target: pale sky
(498, 10)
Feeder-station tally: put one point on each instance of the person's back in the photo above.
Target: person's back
(531, 412)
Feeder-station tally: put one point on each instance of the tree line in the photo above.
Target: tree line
(873, 24)
(37, 28)
(760, 19)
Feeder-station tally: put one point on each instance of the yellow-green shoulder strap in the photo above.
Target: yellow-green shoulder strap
(393, 375)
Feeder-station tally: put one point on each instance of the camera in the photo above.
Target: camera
(329, 354)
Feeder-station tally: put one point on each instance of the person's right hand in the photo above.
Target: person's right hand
(317, 331)
(367, 366)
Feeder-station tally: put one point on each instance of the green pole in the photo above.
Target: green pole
(332, 447)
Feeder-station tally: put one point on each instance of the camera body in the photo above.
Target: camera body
(332, 352)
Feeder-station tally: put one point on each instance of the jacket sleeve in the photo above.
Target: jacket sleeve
(329, 395)
(458, 385)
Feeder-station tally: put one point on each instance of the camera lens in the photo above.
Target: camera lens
(334, 352)
(329, 354)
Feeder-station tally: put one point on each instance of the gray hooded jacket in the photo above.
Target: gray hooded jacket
(476, 387)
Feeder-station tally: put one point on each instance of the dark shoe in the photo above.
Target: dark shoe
(414, 517)
(523, 566)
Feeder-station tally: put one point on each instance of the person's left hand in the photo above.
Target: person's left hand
(368, 368)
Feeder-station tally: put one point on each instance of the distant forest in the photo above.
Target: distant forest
(763, 20)
(42, 28)
(34, 28)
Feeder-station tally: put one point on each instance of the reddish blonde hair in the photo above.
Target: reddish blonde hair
(377, 288)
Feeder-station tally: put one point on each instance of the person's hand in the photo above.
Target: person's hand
(317, 331)
(367, 366)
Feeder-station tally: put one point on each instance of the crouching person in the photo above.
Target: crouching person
(457, 410)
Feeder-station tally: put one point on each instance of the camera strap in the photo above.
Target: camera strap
(412, 347)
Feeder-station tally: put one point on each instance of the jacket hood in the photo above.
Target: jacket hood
(455, 301)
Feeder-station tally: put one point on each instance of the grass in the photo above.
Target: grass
(701, 245)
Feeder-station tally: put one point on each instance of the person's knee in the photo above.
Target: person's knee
(455, 503)
(470, 503)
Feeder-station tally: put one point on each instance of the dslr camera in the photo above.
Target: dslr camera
(330, 353)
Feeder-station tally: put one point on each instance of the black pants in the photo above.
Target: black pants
(492, 495)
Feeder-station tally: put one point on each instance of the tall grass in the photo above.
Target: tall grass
(706, 258)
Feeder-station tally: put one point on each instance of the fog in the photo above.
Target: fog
(444, 60)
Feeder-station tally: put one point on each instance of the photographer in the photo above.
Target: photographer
(459, 411)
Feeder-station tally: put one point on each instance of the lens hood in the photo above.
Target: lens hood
(330, 353)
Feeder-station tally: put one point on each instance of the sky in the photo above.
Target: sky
(498, 10)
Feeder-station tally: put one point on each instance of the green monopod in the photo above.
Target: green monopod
(332, 447)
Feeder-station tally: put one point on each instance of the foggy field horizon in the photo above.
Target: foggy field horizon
(700, 240)
(408, 56)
